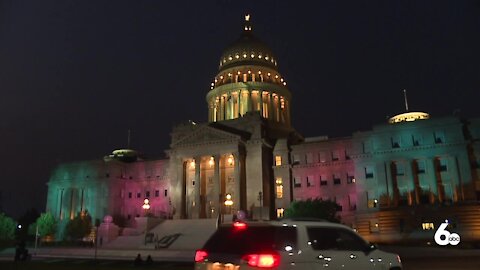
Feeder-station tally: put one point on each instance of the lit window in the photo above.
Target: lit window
(280, 212)
(279, 187)
(428, 226)
(278, 160)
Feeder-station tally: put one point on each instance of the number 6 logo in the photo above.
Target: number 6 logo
(449, 238)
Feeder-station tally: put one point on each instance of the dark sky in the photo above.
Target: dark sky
(76, 75)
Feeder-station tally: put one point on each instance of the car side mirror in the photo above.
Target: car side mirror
(371, 247)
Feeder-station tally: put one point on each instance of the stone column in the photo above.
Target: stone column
(217, 186)
(239, 103)
(249, 102)
(232, 106)
(237, 174)
(260, 101)
(454, 178)
(197, 187)
(432, 176)
(271, 111)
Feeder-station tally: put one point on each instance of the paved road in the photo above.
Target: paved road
(442, 263)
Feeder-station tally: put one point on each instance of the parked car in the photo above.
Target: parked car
(291, 244)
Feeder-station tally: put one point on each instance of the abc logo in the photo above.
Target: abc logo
(444, 237)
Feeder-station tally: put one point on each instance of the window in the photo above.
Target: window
(165, 193)
(322, 157)
(309, 157)
(350, 179)
(129, 195)
(369, 172)
(296, 159)
(279, 187)
(417, 140)
(335, 239)
(297, 182)
(253, 239)
(278, 160)
(395, 141)
(157, 193)
(280, 212)
(442, 164)
(335, 155)
(310, 181)
(347, 155)
(399, 169)
(420, 166)
(147, 194)
(139, 194)
(336, 179)
(323, 180)
(428, 226)
(439, 137)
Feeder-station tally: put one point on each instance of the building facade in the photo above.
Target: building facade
(394, 180)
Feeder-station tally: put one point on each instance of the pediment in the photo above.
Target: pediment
(207, 135)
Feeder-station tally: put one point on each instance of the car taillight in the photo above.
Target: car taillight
(239, 225)
(200, 255)
(262, 260)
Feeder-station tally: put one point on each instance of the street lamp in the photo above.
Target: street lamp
(228, 202)
(146, 205)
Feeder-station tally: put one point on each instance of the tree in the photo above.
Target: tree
(316, 208)
(47, 225)
(7, 227)
(28, 218)
(80, 226)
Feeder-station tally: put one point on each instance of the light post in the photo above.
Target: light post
(260, 200)
(146, 207)
(228, 203)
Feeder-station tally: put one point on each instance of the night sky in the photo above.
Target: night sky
(76, 75)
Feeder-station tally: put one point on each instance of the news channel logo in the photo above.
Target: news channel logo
(444, 237)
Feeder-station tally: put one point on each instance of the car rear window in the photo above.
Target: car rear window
(251, 239)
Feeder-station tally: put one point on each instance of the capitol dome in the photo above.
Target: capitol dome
(247, 50)
(248, 81)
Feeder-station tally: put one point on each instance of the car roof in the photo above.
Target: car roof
(293, 222)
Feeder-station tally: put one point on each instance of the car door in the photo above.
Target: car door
(337, 248)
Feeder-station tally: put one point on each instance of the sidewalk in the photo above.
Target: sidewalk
(117, 254)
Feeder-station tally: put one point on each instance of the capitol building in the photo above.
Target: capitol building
(399, 179)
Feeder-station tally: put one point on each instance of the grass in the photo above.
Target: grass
(74, 264)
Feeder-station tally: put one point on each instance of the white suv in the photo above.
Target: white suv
(291, 244)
